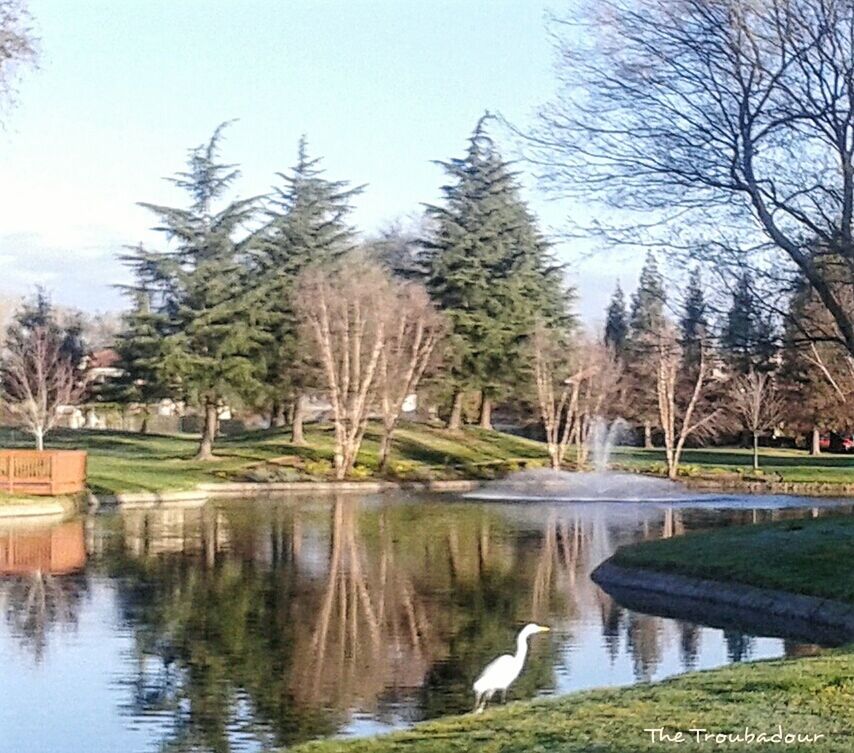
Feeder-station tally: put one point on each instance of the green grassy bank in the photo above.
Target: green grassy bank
(812, 696)
(812, 557)
(785, 465)
(122, 461)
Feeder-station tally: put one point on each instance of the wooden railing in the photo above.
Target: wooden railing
(47, 472)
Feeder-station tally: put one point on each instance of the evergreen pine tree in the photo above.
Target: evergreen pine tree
(694, 323)
(40, 313)
(646, 323)
(647, 317)
(492, 272)
(747, 341)
(815, 403)
(307, 223)
(616, 322)
(212, 336)
(140, 351)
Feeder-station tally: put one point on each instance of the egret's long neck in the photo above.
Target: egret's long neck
(521, 648)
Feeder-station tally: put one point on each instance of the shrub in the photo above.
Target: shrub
(319, 468)
(360, 472)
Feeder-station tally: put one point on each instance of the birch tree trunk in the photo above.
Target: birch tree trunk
(755, 450)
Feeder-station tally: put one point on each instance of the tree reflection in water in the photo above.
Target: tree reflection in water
(279, 622)
(41, 581)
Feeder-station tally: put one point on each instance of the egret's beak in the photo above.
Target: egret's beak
(544, 629)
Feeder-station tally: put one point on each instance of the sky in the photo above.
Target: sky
(379, 87)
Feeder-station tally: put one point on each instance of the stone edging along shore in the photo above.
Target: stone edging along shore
(204, 492)
(800, 488)
(37, 508)
(821, 612)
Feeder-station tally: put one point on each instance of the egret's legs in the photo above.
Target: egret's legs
(485, 698)
(478, 708)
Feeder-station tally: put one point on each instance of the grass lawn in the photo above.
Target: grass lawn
(776, 464)
(121, 461)
(807, 696)
(811, 557)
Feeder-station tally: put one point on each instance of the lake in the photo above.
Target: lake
(246, 625)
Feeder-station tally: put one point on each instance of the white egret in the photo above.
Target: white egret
(501, 672)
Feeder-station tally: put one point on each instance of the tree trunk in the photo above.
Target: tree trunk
(385, 450)
(277, 415)
(39, 439)
(672, 466)
(297, 435)
(815, 444)
(647, 435)
(205, 451)
(455, 422)
(755, 450)
(486, 413)
(143, 427)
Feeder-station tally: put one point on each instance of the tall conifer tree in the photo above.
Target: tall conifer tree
(747, 340)
(139, 347)
(307, 223)
(694, 322)
(646, 323)
(212, 336)
(490, 269)
(616, 322)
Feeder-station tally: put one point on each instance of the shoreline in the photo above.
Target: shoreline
(205, 492)
(234, 489)
(793, 488)
(828, 616)
(38, 507)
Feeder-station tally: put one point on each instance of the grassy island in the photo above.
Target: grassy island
(811, 557)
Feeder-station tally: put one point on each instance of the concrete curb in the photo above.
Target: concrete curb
(35, 509)
(796, 488)
(824, 614)
(204, 492)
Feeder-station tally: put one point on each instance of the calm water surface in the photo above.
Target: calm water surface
(249, 625)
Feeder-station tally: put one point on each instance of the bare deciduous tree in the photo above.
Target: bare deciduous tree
(681, 406)
(38, 379)
(729, 121)
(17, 45)
(573, 382)
(756, 405)
(347, 311)
(557, 382)
(412, 338)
